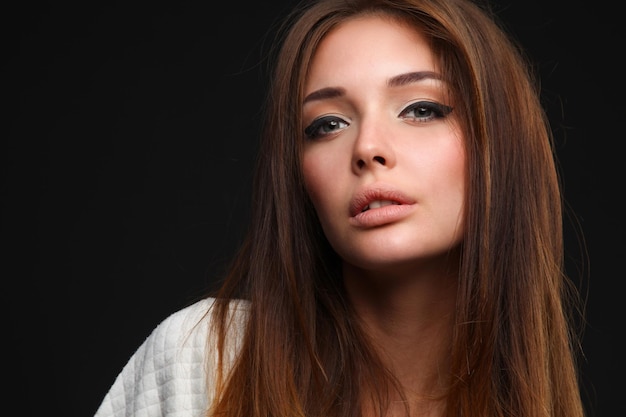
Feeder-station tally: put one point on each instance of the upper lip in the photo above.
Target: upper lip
(378, 192)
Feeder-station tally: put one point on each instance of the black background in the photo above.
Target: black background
(126, 162)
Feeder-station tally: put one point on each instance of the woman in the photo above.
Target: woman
(405, 254)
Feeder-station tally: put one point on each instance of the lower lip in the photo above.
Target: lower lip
(381, 216)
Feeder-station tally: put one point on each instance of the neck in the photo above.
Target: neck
(410, 317)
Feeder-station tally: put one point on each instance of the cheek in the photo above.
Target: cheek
(315, 171)
(444, 175)
(455, 176)
(326, 182)
(459, 168)
(450, 165)
(311, 178)
(455, 171)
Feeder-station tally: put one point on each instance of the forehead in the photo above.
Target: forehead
(372, 45)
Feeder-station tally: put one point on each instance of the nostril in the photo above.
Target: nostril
(361, 163)
(380, 160)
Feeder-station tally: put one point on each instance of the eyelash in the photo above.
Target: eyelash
(426, 112)
(434, 110)
(313, 131)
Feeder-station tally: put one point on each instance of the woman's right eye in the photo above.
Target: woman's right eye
(324, 126)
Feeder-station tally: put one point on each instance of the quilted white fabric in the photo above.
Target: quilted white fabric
(167, 375)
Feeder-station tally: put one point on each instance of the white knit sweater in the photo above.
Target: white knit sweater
(171, 373)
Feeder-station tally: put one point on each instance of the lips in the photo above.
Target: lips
(375, 197)
(378, 204)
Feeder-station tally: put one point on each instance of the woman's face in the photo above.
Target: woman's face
(383, 162)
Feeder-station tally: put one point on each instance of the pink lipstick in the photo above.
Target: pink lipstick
(378, 206)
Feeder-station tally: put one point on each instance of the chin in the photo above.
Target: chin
(395, 261)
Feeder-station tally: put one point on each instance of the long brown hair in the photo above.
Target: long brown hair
(303, 352)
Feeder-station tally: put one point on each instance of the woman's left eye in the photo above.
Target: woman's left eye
(424, 111)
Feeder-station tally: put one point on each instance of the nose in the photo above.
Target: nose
(373, 149)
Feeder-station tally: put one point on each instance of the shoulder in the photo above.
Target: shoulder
(170, 373)
(187, 329)
(183, 338)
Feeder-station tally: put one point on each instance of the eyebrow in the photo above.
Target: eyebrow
(325, 93)
(395, 81)
(412, 77)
